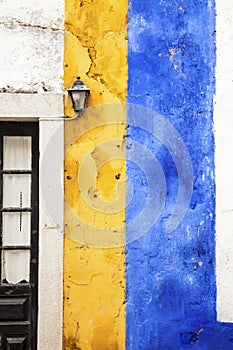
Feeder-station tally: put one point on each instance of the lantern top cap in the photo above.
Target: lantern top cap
(78, 86)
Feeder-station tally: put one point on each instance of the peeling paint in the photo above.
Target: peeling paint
(32, 38)
(40, 70)
(100, 34)
(44, 13)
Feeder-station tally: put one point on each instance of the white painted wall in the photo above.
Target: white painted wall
(223, 118)
(31, 87)
(46, 13)
(31, 45)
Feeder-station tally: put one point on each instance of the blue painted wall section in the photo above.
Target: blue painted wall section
(171, 287)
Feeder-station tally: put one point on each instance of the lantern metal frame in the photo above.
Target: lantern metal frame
(79, 95)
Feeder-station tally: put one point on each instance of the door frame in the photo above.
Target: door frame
(46, 108)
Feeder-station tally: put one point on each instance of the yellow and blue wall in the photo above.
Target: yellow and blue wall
(157, 289)
(148, 259)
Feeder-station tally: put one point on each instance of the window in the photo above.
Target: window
(19, 163)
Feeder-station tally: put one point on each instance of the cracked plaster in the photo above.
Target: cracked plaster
(43, 13)
(94, 283)
(31, 38)
(98, 33)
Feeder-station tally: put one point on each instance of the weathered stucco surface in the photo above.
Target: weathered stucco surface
(171, 281)
(31, 46)
(94, 282)
(223, 154)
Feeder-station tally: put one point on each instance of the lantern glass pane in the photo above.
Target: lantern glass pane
(79, 98)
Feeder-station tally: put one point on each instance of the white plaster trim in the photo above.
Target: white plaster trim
(50, 314)
(223, 119)
(31, 105)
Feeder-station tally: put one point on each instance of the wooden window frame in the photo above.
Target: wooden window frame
(24, 129)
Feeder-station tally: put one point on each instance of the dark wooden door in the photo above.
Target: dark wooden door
(19, 200)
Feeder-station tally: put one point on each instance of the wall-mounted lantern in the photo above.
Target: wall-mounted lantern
(79, 94)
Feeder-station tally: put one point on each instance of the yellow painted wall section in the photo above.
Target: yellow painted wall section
(94, 276)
